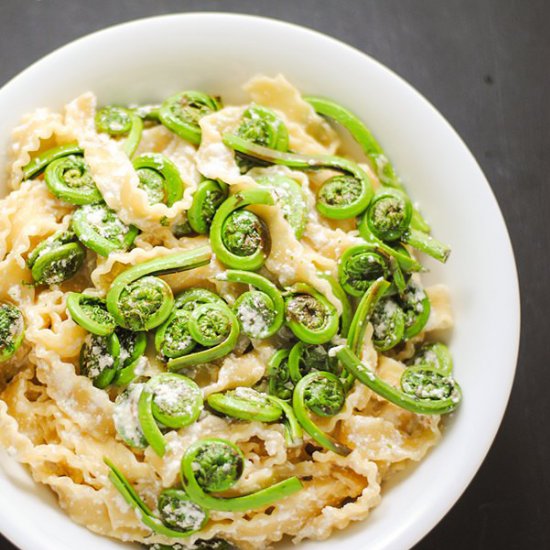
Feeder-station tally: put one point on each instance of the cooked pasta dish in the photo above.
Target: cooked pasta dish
(213, 327)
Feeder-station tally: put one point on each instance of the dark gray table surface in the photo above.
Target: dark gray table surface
(485, 65)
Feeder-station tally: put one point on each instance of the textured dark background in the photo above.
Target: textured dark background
(485, 65)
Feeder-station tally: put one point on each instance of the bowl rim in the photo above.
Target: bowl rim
(20, 536)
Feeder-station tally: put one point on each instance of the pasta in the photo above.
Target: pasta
(213, 330)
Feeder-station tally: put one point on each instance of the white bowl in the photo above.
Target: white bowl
(149, 59)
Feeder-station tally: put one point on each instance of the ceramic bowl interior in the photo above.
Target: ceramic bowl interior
(149, 59)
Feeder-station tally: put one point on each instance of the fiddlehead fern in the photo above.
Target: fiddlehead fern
(171, 400)
(213, 326)
(37, 165)
(257, 314)
(238, 237)
(139, 301)
(179, 512)
(279, 383)
(429, 384)
(125, 417)
(90, 313)
(400, 277)
(181, 227)
(143, 304)
(56, 259)
(193, 297)
(323, 394)
(179, 516)
(389, 214)
(363, 314)
(262, 126)
(306, 358)
(382, 166)
(215, 465)
(99, 228)
(341, 197)
(309, 315)
(209, 325)
(245, 404)
(359, 267)
(118, 121)
(361, 319)
(388, 323)
(181, 113)
(423, 390)
(427, 244)
(113, 120)
(159, 177)
(396, 251)
(132, 349)
(12, 330)
(148, 112)
(334, 204)
(290, 198)
(429, 375)
(207, 199)
(69, 179)
(248, 404)
(416, 306)
(172, 338)
(261, 312)
(388, 219)
(99, 358)
(435, 356)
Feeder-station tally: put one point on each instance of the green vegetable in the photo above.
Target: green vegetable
(171, 400)
(99, 358)
(99, 228)
(382, 166)
(359, 267)
(215, 465)
(213, 325)
(159, 177)
(290, 197)
(245, 404)
(12, 330)
(423, 390)
(56, 259)
(207, 199)
(132, 348)
(238, 237)
(138, 300)
(37, 165)
(279, 382)
(323, 394)
(263, 127)
(261, 312)
(306, 358)
(309, 315)
(69, 179)
(388, 219)
(179, 515)
(90, 313)
(181, 113)
(118, 121)
(335, 201)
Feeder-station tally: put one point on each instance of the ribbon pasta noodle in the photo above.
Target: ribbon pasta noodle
(213, 328)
